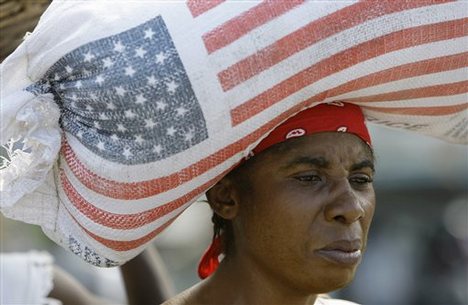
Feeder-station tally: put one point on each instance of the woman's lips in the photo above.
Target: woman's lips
(340, 257)
(342, 252)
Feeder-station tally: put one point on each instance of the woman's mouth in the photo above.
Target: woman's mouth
(342, 252)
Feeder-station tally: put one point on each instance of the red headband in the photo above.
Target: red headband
(337, 116)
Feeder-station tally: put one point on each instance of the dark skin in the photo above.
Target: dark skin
(299, 227)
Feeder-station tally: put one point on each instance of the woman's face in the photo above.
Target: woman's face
(306, 217)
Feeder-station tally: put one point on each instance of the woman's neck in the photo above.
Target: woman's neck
(244, 282)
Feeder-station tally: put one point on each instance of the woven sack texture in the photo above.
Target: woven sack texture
(117, 115)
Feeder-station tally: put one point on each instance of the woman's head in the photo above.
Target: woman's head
(315, 194)
(300, 209)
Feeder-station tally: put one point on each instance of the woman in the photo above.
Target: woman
(292, 221)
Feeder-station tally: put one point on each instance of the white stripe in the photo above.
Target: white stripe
(447, 120)
(347, 39)
(265, 35)
(222, 13)
(120, 206)
(387, 61)
(274, 30)
(440, 78)
(451, 100)
(118, 234)
(450, 128)
(69, 227)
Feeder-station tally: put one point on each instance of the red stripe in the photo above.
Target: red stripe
(120, 245)
(392, 42)
(126, 221)
(426, 111)
(138, 190)
(422, 92)
(428, 66)
(237, 27)
(129, 245)
(198, 7)
(308, 35)
(143, 189)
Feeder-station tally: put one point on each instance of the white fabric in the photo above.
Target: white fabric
(128, 82)
(26, 278)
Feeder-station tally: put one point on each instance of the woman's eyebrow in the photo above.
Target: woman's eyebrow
(320, 162)
(363, 164)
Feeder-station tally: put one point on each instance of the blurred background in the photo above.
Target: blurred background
(418, 245)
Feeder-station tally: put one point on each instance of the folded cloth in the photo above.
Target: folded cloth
(151, 102)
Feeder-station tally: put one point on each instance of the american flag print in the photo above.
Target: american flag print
(155, 113)
(127, 97)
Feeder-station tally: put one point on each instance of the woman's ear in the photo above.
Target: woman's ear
(224, 199)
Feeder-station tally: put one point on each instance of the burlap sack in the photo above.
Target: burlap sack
(151, 102)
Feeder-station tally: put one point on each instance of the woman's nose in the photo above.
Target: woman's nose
(344, 206)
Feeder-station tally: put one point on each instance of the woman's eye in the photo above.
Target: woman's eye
(361, 180)
(309, 178)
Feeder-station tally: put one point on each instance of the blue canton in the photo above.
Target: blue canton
(127, 97)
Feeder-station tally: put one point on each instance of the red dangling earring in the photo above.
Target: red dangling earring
(210, 259)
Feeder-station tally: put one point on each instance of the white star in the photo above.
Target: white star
(73, 97)
(108, 63)
(171, 131)
(89, 108)
(62, 87)
(127, 153)
(172, 86)
(85, 72)
(73, 105)
(78, 84)
(120, 90)
(110, 106)
(100, 145)
(69, 69)
(129, 71)
(157, 149)
(97, 125)
(151, 80)
(140, 52)
(121, 127)
(92, 96)
(56, 76)
(114, 137)
(129, 114)
(88, 56)
(160, 57)
(140, 99)
(103, 116)
(160, 105)
(99, 79)
(119, 47)
(149, 33)
(79, 134)
(188, 136)
(149, 123)
(139, 139)
(181, 111)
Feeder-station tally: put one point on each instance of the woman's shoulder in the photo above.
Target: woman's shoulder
(183, 298)
(186, 297)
